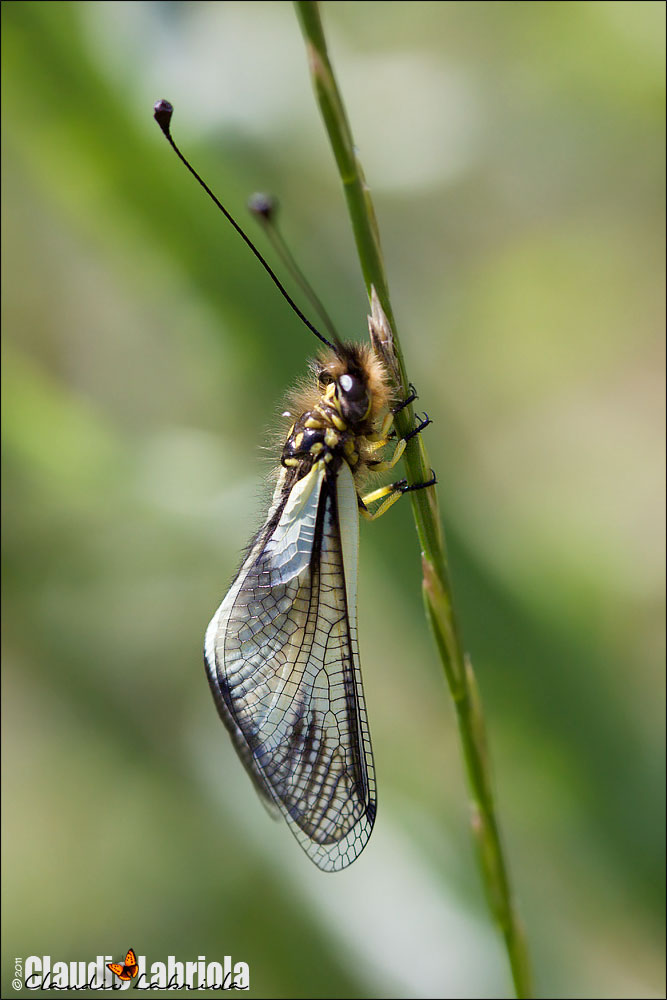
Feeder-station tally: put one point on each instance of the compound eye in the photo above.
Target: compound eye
(351, 387)
(353, 398)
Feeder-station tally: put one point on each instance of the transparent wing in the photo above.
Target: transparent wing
(283, 663)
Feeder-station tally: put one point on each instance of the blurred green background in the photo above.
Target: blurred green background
(516, 155)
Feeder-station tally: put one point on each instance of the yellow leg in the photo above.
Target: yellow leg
(380, 439)
(392, 492)
(390, 463)
(382, 491)
(382, 509)
(376, 444)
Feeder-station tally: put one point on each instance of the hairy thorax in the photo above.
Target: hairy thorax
(338, 419)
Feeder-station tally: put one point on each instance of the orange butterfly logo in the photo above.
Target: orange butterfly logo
(127, 971)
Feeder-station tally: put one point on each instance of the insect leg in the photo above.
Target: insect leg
(384, 466)
(392, 492)
(382, 436)
(424, 422)
(406, 402)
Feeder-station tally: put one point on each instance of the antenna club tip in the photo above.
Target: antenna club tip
(263, 206)
(162, 112)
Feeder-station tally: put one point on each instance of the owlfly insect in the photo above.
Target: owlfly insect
(281, 651)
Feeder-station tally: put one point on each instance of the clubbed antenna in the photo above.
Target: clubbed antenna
(265, 209)
(162, 113)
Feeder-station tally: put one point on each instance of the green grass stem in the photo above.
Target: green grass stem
(436, 584)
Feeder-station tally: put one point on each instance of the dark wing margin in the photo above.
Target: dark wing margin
(283, 664)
